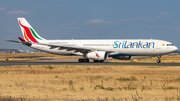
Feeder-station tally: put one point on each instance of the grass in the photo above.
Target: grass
(89, 82)
(50, 67)
(33, 56)
(127, 79)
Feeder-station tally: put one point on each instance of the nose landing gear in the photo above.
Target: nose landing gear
(159, 59)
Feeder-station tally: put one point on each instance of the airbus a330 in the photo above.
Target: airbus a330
(97, 50)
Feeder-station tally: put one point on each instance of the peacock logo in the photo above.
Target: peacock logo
(29, 34)
(97, 55)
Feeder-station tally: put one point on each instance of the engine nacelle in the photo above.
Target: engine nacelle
(122, 57)
(97, 55)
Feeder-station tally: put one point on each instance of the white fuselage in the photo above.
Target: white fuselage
(121, 47)
(97, 50)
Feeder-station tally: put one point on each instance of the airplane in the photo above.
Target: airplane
(97, 50)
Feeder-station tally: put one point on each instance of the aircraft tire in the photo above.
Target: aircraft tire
(96, 61)
(101, 60)
(83, 60)
(158, 61)
(86, 60)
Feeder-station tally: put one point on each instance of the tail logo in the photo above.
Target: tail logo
(29, 34)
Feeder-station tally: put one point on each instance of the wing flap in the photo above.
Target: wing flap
(52, 47)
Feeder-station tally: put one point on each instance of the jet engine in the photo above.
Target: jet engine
(97, 55)
(122, 57)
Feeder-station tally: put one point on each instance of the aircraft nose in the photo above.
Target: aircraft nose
(175, 48)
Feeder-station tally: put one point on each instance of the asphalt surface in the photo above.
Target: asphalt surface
(74, 62)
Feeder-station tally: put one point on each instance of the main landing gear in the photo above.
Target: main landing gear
(98, 60)
(83, 60)
(87, 60)
(159, 59)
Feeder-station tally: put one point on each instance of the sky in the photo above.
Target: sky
(91, 19)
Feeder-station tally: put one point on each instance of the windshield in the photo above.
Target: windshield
(170, 45)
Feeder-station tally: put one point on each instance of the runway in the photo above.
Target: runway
(74, 62)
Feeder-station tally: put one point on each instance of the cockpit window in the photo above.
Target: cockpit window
(170, 45)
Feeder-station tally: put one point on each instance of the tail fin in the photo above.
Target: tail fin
(28, 32)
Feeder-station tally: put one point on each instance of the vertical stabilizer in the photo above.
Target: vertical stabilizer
(28, 32)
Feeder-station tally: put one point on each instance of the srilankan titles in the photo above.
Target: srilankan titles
(127, 44)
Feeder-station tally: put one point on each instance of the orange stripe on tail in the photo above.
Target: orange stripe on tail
(25, 36)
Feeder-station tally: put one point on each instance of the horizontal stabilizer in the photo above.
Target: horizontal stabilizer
(14, 41)
(21, 39)
(25, 43)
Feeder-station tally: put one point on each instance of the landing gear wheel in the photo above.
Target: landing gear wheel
(86, 60)
(101, 60)
(158, 61)
(80, 60)
(83, 60)
(98, 61)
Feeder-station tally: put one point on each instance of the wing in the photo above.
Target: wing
(63, 47)
(75, 48)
